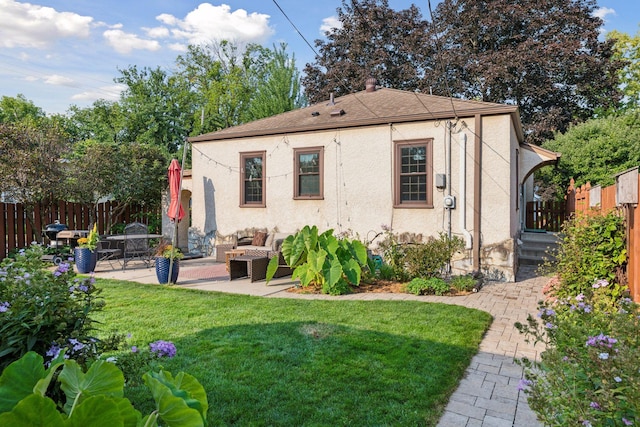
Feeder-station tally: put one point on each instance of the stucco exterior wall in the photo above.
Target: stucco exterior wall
(358, 184)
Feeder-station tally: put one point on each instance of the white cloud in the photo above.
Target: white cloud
(109, 93)
(603, 12)
(329, 23)
(157, 32)
(178, 47)
(32, 26)
(57, 80)
(207, 23)
(125, 43)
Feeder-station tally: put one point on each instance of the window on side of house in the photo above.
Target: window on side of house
(413, 174)
(309, 173)
(252, 183)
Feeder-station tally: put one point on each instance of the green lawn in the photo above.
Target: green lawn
(285, 362)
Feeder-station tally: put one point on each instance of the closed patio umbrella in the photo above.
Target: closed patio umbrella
(175, 212)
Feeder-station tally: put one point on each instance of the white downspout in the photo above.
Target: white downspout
(463, 191)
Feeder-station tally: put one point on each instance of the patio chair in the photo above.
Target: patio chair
(136, 244)
(108, 251)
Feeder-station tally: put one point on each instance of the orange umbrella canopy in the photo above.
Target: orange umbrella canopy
(176, 212)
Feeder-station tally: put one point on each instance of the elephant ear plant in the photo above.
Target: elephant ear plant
(94, 398)
(323, 260)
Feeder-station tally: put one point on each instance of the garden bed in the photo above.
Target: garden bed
(378, 286)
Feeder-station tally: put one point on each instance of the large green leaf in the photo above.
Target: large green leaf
(186, 387)
(359, 251)
(272, 267)
(19, 379)
(104, 411)
(333, 273)
(101, 378)
(352, 270)
(316, 260)
(173, 410)
(34, 411)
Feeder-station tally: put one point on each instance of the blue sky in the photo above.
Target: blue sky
(63, 52)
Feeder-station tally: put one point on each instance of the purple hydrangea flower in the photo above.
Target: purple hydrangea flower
(602, 283)
(523, 383)
(163, 348)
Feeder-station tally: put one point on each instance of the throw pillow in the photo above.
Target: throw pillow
(259, 238)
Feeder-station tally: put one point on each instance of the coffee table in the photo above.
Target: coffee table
(252, 266)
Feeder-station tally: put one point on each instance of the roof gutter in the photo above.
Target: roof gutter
(228, 133)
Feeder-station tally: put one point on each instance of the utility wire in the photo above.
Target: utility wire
(296, 28)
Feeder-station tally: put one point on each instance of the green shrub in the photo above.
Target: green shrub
(431, 285)
(323, 260)
(593, 248)
(386, 272)
(588, 374)
(95, 397)
(45, 311)
(414, 259)
(464, 283)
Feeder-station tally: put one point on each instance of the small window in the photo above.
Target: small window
(252, 188)
(413, 174)
(309, 173)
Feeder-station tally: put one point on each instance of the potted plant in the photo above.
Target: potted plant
(85, 254)
(165, 252)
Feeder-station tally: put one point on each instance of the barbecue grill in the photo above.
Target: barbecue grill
(51, 232)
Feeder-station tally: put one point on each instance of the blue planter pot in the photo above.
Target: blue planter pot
(85, 260)
(162, 270)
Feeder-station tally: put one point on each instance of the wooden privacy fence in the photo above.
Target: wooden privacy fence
(18, 228)
(623, 196)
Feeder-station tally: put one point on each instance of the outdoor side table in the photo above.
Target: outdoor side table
(251, 266)
(228, 255)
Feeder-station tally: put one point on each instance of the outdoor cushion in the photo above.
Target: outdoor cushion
(259, 238)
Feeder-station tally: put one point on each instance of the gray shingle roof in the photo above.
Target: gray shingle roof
(363, 109)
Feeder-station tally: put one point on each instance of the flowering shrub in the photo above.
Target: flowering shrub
(593, 247)
(45, 311)
(588, 374)
(135, 362)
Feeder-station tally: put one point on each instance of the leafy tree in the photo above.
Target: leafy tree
(627, 48)
(277, 84)
(30, 161)
(157, 108)
(103, 122)
(140, 176)
(596, 150)
(230, 87)
(542, 55)
(18, 109)
(92, 172)
(374, 40)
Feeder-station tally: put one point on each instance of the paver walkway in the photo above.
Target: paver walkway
(487, 396)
